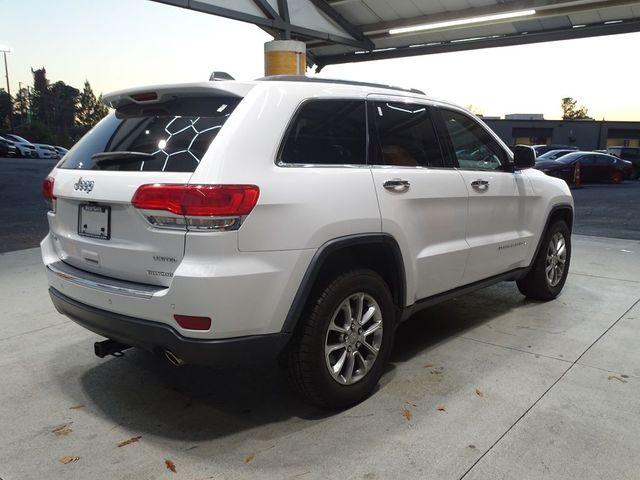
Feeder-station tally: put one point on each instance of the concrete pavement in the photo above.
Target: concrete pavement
(484, 386)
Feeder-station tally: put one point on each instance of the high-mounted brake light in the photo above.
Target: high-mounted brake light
(145, 97)
(202, 207)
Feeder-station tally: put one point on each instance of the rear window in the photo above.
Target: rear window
(168, 137)
(327, 132)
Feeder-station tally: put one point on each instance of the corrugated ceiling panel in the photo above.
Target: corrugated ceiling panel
(358, 13)
(405, 8)
(551, 23)
(586, 18)
(245, 6)
(303, 12)
(619, 13)
(527, 26)
(382, 9)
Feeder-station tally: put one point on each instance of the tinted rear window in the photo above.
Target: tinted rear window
(327, 132)
(176, 133)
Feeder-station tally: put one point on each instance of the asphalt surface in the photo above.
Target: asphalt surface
(601, 210)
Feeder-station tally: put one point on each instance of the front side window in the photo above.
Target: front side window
(473, 147)
(405, 136)
(327, 132)
(167, 137)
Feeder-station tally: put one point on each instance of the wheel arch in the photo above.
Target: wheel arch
(377, 251)
(558, 212)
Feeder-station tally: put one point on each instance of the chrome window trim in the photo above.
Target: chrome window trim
(103, 284)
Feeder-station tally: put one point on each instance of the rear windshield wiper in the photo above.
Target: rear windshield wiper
(120, 156)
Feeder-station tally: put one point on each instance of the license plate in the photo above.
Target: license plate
(94, 221)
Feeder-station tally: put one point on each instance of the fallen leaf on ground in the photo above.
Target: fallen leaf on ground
(249, 458)
(407, 414)
(410, 403)
(129, 441)
(62, 429)
(170, 465)
(441, 408)
(69, 459)
(479, 393)
(428, 365)
(76, 407)
(617, 378)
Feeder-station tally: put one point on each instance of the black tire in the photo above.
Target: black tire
(536, 284)
(305, 356)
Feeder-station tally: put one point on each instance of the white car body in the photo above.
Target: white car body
(26, 148)
(247, 281)
(45, 151)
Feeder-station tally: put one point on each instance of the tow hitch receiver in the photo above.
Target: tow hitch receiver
(109, 347)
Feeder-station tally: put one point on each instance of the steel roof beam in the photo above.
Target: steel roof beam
(269, 23)
(594, 30)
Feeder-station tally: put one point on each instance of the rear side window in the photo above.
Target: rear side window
(405, 136)
(473, 147)
(327, 132)
(168, 137)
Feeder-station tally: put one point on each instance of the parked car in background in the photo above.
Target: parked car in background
(553, 155)
(7, 148)
(594, 167)
(542, 149)
(46, 151)
(24, 147)
(631, 154)
(61, 151)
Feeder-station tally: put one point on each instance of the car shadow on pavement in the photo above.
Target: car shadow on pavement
(145, 394)
(452, 318)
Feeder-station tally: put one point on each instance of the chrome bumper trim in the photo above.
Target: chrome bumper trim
(104, 284)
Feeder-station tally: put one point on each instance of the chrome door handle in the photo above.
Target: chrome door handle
(480, 184)
(397, 185)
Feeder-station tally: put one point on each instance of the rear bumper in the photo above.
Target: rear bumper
(156, 337)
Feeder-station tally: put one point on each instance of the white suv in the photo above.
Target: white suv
(291, 217)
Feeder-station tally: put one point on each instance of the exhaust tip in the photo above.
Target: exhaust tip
(173, 358)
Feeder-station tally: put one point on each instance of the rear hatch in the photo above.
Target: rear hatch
(154, 137)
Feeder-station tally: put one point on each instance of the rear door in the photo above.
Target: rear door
(498, 228)
(423, 200)
(94, 225)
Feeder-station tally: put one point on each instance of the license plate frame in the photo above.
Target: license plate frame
(94, 221)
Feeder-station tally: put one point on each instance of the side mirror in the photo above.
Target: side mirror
(523, 157)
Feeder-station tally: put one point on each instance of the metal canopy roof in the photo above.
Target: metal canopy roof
(344, 31)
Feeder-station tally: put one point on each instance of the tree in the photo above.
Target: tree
(90, 109)
(473, 109)
(63, 99)
(22, 107)
(570, 111)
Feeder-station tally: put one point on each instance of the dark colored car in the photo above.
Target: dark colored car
(594, 167)
(542, 149)
(631, 154)
(7, 148)
(553, 154)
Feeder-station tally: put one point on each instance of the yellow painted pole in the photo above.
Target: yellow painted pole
(285, 57)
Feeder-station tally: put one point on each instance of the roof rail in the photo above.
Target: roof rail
(300, 78)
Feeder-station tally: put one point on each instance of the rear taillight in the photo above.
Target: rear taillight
(200, 207)
(47, 191)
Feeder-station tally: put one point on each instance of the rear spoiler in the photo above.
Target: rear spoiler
(162, 93)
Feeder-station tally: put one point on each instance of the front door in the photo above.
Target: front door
(498, 232)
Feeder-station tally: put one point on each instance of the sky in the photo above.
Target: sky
(119, 44)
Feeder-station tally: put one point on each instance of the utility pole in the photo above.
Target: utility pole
(4, 49)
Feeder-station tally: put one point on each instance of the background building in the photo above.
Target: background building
(585, 134)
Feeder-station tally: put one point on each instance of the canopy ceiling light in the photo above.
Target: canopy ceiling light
(462, 21)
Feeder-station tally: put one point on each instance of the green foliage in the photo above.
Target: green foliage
(90, 109)
(570, 111)
(56, 113)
